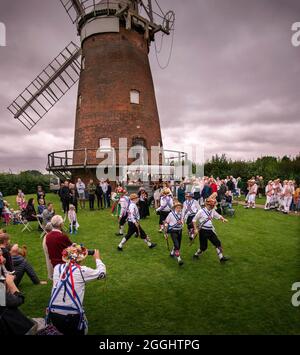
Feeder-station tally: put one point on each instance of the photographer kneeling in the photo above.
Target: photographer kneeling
(65, 310)
(12, 320)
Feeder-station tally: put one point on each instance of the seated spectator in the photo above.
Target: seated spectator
(48, 214)
(29, 212)
(12, 320)
(56, 241)
(21, 265)
(5, 249)
(65, 309)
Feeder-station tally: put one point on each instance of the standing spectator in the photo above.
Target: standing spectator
(60, 193)
(20, 199)
(297, 199)
(72, 217)
(57, 241)
(104, 187)
(230, 185)
(41, 208)
(21, 265)
(108, 194)
(91, 188)
(143, 205)
(261, 186)
(213, 185)
(40, 194)
(65, 196)
(80, 186)
(239, 186)
(29, 213)
(73, 196)
(5, 246)
(99, 194)
(181, 193)
(1, 205)
(206, 191)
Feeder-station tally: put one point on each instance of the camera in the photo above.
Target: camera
(91, 252)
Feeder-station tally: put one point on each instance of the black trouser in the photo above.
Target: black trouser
(189, 222)
(132, 229)
(100, 201)
(66, 324)
(65, 204)
(176, 236)
(123, 220)
(162, 216)
(92, 201)
(208, 235)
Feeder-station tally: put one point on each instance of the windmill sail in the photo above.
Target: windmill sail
(48, 87)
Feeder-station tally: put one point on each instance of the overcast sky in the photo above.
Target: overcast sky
(233, 82)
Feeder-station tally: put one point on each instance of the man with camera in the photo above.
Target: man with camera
(65, 310)
(12, 320)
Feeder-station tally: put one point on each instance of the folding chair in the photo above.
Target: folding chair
(65, 229)
(26, 225)
(39, 217)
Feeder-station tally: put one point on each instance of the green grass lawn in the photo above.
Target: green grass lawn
(147, 293)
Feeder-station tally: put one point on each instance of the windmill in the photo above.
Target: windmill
(116, 96)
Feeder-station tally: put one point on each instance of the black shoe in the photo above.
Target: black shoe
(153, 245)
(119, 235)
(224, 259)
(180, 263)
(172, 255)
(120, 249)
(195, 256)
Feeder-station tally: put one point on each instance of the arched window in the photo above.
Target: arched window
(135, 97)
(79, 101)
(139, 141)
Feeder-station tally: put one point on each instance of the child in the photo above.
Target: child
(204, 226)
(190, 209)
(6, 213)
(72, 216)
(134, 224)
(20, 199)
(173, 226)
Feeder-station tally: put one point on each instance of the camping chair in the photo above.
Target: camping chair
(39, 218)
(25, 224)
(65, 229)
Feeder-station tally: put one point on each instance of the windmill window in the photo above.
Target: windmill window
(135, 97)
(105, 143)
(83, 63)
(79, 101)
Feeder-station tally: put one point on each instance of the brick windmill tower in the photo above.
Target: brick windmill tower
(116, 97)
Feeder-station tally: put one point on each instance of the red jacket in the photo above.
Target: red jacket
(56, 242)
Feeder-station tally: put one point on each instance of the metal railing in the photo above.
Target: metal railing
(68, 159)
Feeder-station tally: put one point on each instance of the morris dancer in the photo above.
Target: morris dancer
(65, 310)
(204, 226)
(173, 226)
(124, 203)
(134, 224)
(277, 193)
(288, 191)
(269, 190)
(190, 209)
(252, 194)
(166, 205)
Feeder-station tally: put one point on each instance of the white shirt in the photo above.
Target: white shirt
(124, 204)
(174, 220)
(166, 204)
(79, 284)
(190, 207)
(80, 186)
(133, 213)
(104, 187)
(204, 218)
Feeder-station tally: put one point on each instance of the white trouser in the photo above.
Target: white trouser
(287, 203)
(268, 201)
(251, 199)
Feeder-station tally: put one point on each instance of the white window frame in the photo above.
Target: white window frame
(135, 97)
